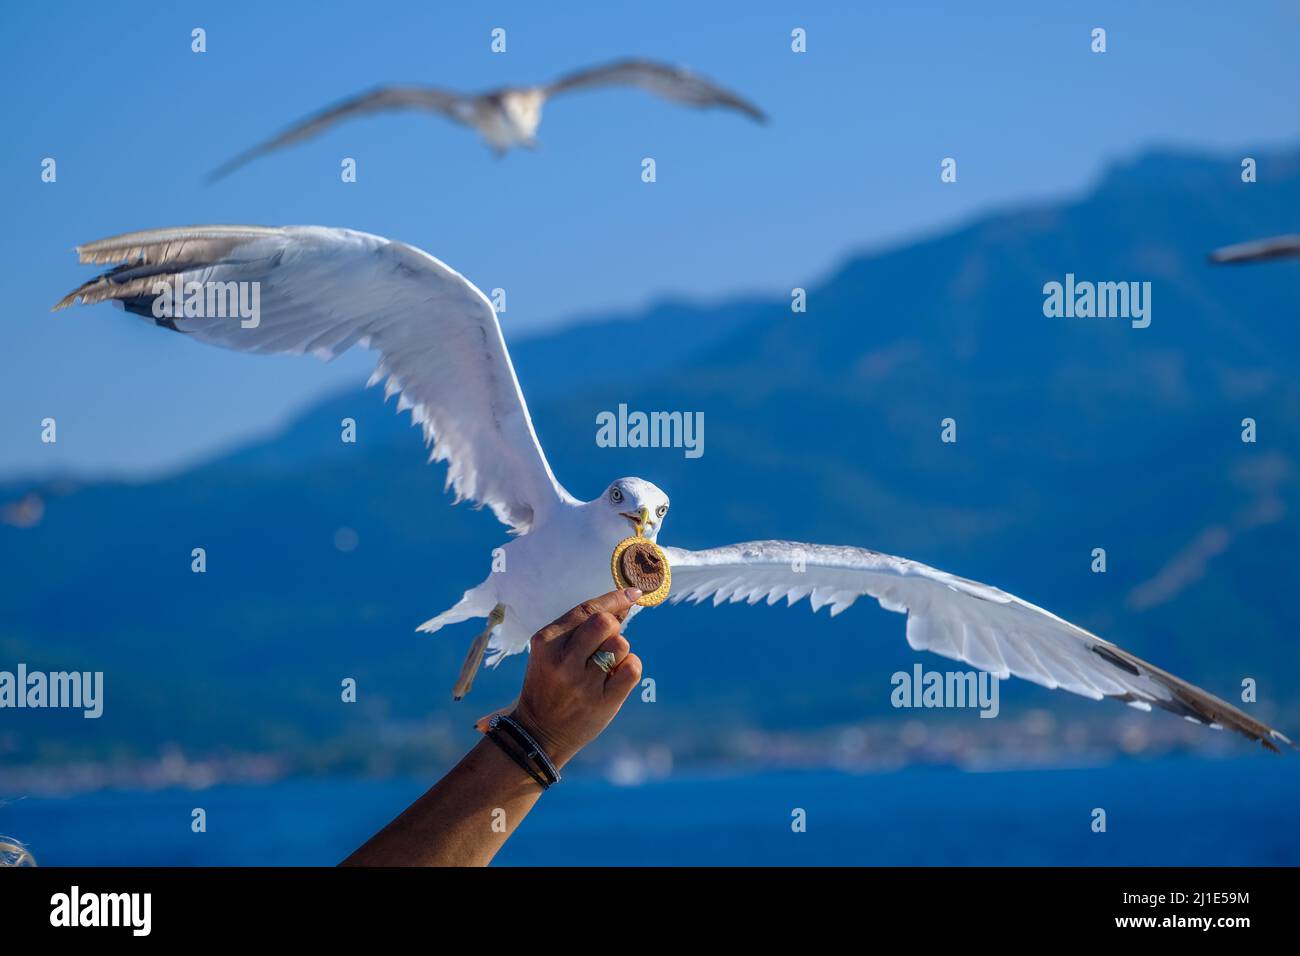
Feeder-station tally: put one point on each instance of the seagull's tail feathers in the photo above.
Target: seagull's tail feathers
(476, 602)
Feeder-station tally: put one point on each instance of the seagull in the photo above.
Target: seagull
(1278, 247)
(508, 117)
(442, 352)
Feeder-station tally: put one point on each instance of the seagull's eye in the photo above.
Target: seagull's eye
(615, 495)
(661, 510)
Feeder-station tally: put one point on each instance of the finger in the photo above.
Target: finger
(616, 645)
(626, 676)
(617, 603)
(593, 632)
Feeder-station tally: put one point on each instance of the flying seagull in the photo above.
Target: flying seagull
(509, 116)
(442, 353)
(1279, 247)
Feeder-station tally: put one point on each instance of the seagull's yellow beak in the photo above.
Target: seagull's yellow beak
(640, 520)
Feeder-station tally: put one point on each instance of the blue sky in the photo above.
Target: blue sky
(850, 161)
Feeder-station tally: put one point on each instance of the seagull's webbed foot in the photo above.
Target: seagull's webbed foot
(475, 656)
(481, 725)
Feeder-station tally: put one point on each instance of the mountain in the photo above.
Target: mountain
(1072, 434)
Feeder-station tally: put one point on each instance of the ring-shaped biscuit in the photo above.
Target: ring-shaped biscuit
(640, 563)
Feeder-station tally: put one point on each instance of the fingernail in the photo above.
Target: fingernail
(632, 594)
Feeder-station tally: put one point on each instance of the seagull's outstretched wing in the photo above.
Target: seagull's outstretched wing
(324, 290)
(380, 100)
(952, 616)
(1278, 247)
(670, 82)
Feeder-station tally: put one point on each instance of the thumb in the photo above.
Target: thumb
(617, 603)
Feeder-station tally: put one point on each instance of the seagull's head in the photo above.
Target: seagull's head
(633, 506)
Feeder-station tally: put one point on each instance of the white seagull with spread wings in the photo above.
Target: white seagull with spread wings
(509, 117)
(442, 352)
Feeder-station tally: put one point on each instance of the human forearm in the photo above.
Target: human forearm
(567, 699)
(462, 820)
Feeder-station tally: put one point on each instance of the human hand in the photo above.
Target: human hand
(567, 700)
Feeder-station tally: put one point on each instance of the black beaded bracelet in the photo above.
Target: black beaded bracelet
(530, 751)
(535, 751)
(495, 735)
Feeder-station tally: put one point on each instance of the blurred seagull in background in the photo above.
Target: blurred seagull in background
(442, 352)
(509, 117)
(1278, 247)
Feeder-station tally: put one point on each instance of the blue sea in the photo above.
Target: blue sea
(1168, 811)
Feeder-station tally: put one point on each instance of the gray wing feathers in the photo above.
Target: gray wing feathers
(1276, 248)
(671, 82)
(955, 617)
(376, 101)
(321, 291)
(145, 257)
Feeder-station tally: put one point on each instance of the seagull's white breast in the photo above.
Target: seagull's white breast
(552, 568)
(498, 130)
